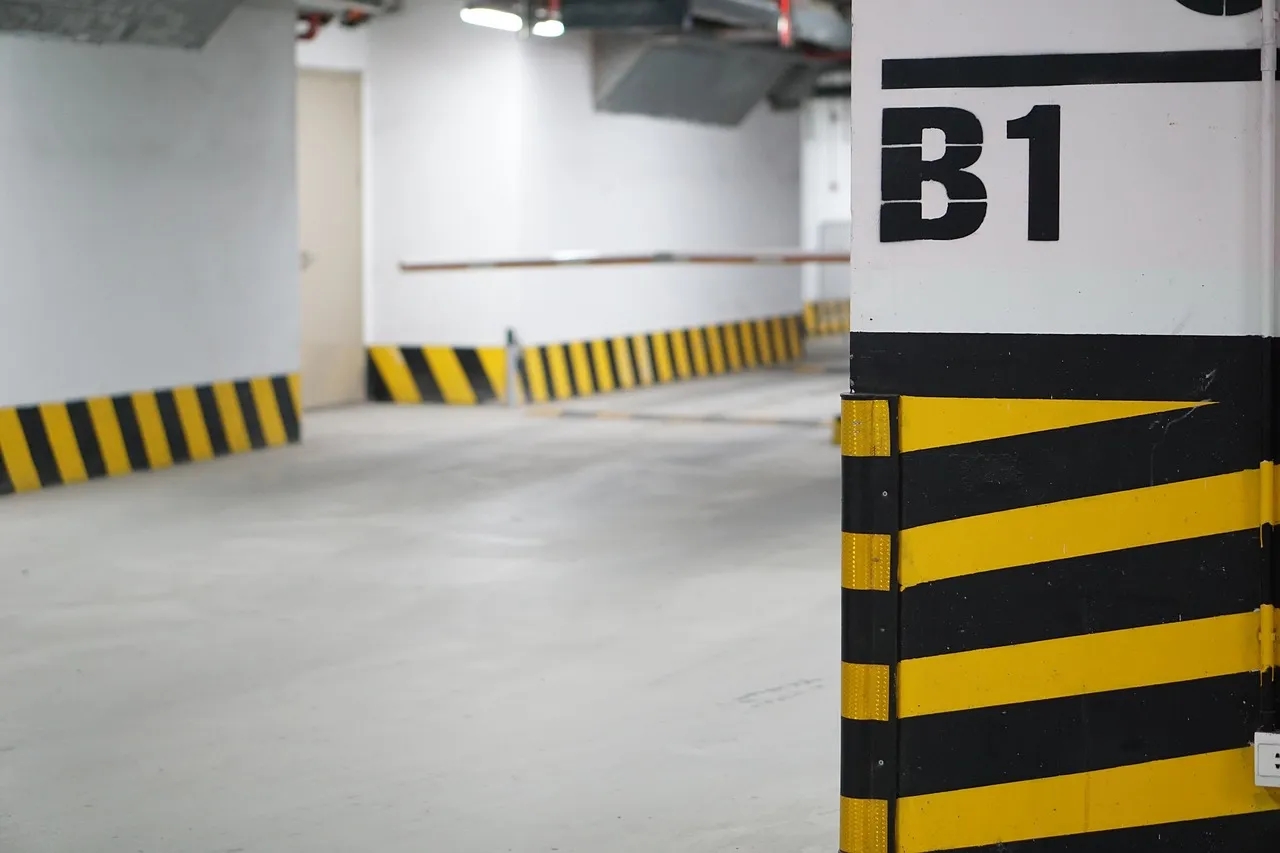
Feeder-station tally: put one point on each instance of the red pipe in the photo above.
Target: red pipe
(784, 23)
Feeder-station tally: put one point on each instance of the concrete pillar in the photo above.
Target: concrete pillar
(1057, 450)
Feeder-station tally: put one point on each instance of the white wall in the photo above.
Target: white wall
(824, 186)
(336, 48)
(484, 146)
(147, 219)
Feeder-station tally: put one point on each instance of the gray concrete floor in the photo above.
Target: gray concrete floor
(437, 629)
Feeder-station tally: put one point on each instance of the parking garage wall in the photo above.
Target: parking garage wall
(824, 210)
(484, 146)
(147, 222)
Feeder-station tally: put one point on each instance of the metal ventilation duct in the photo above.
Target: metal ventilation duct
(692, 79)
(164, 23)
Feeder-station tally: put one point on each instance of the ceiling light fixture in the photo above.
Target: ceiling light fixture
(549, 25)
(494, 19)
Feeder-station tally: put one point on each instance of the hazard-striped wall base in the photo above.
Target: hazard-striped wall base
(827, 317)
(69, 442)
(465, 376)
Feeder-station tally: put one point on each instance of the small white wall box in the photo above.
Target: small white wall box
(1266, 759)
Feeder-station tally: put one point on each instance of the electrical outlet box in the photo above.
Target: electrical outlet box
(1266, 759)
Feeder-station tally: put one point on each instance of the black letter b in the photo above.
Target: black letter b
(903, 172)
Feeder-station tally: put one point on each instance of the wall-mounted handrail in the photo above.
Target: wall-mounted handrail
(769, 257)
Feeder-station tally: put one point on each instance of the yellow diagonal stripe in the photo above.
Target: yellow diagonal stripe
(1076, 528)
(644, 360)
(264, 397)
(781, 353)
(1213, 785)
(793, 337)
(866, 560)
(762, 337)
(106, 424)
(62, 438)
(929, 422)
(622, 358)
(864, 826)
(450, 378)
(864, 428)
(193, 426)
(864, 692)
(539, 390)
(662, 358)
(558, 366)
(701, 364)
(154, 440)
(680, 353)
(15, 454)
(604, 368)
(716, 344)
(389, 363)
(1070, 666)
(233, 426)
(732, 348)
(494, 362)
(748, 336)
(580, 360)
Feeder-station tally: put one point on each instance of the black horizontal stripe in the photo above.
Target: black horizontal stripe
(1247, 833)
(1071, 69)
(1153, 585)
(868, 759)
(870, 503)
(1076, 734)
(1025, 470)
(1079, 367)
(869, 626)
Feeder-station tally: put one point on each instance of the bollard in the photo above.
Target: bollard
(513, 369)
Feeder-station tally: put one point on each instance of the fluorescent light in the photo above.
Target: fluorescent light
(496, 19)
(550, 28)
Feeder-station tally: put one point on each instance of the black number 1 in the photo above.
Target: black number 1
(1042, 128)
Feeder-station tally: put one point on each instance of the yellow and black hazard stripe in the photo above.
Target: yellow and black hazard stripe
(1083, 579)
(561, 371)
(457, 375)
(583, 368)
(57, 443)
(869, 607)
(826, 317)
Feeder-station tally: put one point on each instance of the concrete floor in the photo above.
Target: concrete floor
(437, 629)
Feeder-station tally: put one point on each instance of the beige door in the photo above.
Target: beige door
(329, 166)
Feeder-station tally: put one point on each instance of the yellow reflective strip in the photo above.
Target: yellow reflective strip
(864, 691)
(701, 364)
(154, 439)
(780, 351)
(1071, 666)
(865, 558)
(233, 427)
(929, 422)
(539, 390)
(680, 354)
(622, 358)
(264, 397)
(106, 425)
(864, 826)
(1079, 527)
(581, 368)
(715, 343)
(604, 367)
(1212, 785)
(662, 358)
(864, 426)
(644, 360)
(793, 337)
(389, 362)
(558, 364)
(450, 378)
(493, 360)
(748, 336)
(16, 455)
(193, 425)
(62, 440)
(731, 346)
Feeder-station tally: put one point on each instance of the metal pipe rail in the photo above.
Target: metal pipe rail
(780, 257)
